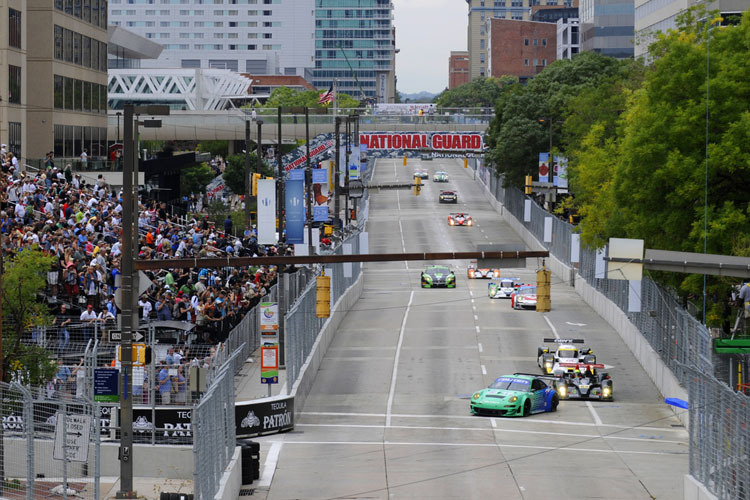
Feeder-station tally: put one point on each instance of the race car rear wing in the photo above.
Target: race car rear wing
(551, 377)
(580, 365)
(461, 213)
(565, 341)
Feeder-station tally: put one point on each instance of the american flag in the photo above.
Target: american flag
(326, 96)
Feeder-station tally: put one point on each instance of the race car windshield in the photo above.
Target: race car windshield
(440, 270)
(568, 353)
(506, 284)
(511, 384)
(528, 290)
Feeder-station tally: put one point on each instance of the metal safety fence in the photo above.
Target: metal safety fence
(214, 431)
(49, 446)
(719, 416)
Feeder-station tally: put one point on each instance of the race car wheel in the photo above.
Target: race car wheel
(554, 403)
(527, 408)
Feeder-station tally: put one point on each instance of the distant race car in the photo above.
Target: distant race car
(438, 276)
(551, 362)
(422, 173)
(425, 157)
(440, 176)
(460, 219)
(523, 297)
(517, 395)
(474, 272)
(448, 197)
(502, 288)
(584, 382)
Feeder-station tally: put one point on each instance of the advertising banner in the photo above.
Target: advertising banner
(298, 174)
(320, 194)
(267, 211)
(295, 211)
(543, 167)
(354, 164)
(269, 317)
(438, 141)
(269, 364)
(254, 418)
(560, 178)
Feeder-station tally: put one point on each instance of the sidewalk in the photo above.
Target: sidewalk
(247, 383)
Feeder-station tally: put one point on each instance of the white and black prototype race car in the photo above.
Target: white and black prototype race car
(585, 382)
(551, 361)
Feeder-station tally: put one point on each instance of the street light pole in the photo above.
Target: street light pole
(248, 179)
(337, 127)
(310, 246)
(346, 181)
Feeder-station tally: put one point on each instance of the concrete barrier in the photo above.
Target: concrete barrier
(231, 480)
(695, 490)
(649, 359)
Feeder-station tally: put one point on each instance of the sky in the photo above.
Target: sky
(426, 33)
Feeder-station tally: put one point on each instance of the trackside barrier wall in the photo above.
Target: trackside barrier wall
(674, 348)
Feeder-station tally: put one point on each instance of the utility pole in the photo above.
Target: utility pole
(126, 303)
(336, 190)
(356, 145)
(248, 177)
(308, 184)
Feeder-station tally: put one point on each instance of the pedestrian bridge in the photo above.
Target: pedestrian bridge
(230, 125)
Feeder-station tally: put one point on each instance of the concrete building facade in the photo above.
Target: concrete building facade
(607, 27)
(481, 11)
(568, 37)
(355, 44)
(248, 36)
(521, 48)
(458, 69)
(56, 60)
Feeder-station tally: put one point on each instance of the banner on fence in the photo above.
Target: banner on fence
(266, 211)
(295, 211)
(254, 418)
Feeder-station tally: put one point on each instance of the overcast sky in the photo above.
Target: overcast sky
(426, 32)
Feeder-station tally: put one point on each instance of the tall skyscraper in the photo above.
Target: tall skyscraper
(481, 11)
(607, 27)
(355, 45)
(248, 36)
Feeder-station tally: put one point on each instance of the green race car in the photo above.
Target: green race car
(438, 276)
(517, 395)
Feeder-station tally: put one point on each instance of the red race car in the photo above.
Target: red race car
(460, 219)
(474, 272)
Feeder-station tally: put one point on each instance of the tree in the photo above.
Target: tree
(479, 93)
(24, 276)
(195, 179)
(220, 148)
(234, 173)
(286, 97)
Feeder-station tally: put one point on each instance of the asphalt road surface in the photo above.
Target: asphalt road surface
(388, 415)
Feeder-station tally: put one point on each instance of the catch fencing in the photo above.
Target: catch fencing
(719, 416)
(50, 445)
(214, 431)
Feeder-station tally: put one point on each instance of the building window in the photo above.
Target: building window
(544, 62)
(526, 42)
(544, 42)
(14, 138)
(59, 92)
(536, 42)
(14, 28)
(525, 62)
(59, 43)
(68, 91)
(14, 84)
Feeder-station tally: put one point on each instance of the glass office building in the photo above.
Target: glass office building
(355, 45)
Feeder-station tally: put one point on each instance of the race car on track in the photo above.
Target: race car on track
(425, 157)
(550, 361)
(422, 173)
(584, 382)
(448, 197)
(440, 177)
(523, 297)
(438, 276)
(474, 272)
(460, 219)
(517, 395)
(502, 288)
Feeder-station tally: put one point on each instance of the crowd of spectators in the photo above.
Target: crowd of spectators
(78, 221)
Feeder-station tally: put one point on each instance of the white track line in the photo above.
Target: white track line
(403, 242)
(476, 318)
(597, 420)
(552, 327)
(477, 329)
(269, 467)
(484, 370)
(392, 391)
(480, 347)
(493, 423)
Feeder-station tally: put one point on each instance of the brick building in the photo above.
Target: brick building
(458, 69)
(521, 48)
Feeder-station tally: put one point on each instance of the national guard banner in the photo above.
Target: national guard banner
(295, 212)
(267, 211)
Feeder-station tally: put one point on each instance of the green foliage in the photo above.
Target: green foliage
(480, 93)
(220, 148)
(218, 211)
(234, 174)
(23, 277)
(195, 179)
(287, 97)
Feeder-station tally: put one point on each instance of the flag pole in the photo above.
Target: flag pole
(335, 99)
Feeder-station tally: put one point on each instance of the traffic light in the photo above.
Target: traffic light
(255, 184)
(323, 296)
(528, 188)
(140, 354)
(417, 186)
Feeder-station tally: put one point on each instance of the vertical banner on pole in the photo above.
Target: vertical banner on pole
(575, 248)
(548, 229)
(320, 194)
(266, 211)
(543, 167)
(364, 242)
(269, 364)
(316, 239)
(600, 268)
(354, 164)
(295, 211)
(527, 210)
(634, 295)
(362, 157)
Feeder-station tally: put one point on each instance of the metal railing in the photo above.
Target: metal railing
(719, 416)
